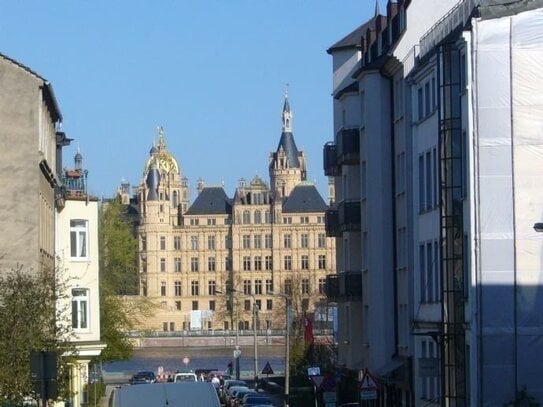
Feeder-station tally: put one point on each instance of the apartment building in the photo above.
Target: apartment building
(78, 266)
(442, 109)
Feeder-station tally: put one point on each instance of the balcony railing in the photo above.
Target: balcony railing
(349, 216)
(344, 286)
(348, 147)
(331, 222)
(330, 163)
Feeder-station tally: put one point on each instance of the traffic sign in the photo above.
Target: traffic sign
(267, 369)
(368, 381)
(317, 380)
(237, 353)
(186, 360)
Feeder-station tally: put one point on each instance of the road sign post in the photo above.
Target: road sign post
(237, 355)
(368, 386)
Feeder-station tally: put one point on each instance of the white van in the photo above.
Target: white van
(193, 394)
(185, 377)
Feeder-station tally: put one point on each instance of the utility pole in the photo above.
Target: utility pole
(255, 310)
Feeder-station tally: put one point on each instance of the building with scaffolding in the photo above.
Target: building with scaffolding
(445, 186)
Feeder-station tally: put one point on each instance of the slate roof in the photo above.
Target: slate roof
(291, 151)
(304, 198)
(353, 39)
(211, 201)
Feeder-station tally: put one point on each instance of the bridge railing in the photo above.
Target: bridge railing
(218, 332)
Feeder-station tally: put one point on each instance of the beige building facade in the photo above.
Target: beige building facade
(208, 264)
(30, 143)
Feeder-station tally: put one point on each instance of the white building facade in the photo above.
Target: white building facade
(78, 256)
(442, 96)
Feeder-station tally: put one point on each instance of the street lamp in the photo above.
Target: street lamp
(287, 347)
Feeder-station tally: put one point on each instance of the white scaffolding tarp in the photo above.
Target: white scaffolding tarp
(508, 138)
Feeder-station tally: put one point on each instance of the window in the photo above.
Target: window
(163, 288)
(228, 264)
(211, 242)
(162, 265)
(165, 326)
(246, 263)
(194, 264)
(247, 287)
(287, 241)
(305, 286)
(321, 242)
(427, 99)
(421, 184)
(177, 243)
(287, 219)
(269, 305)
(143, 241)
(211, 222)
(211, 264)
(268, 260)
(246, 217)
(429, 195)
(212, 305)
(269, 286)
(258, 216)
(247, 306)
(194, 306)
(258, 241)
(322, 261)
(211, 287)
(178, 305)
(322, 286)
(177, 288)
(78, 238)
(288, 287)
(194, 222)
(268, 241)
(258, 304)
(304, 241)
(422, 275)
(267, 217)
(246, 241)
(258, 263)
(194, 242)
(258, 287)
(420, 103)
(162, 242)
(80, 308)
(177, 264)
(304, 219)
(288, 262)
(305, 262)
(194, 288)
(227, 242)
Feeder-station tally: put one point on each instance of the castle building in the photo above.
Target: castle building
(208, 265)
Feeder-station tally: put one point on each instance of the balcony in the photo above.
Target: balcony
(348, 147)
(344, 286)
(330, 163)
(331, 222)
(349, 216)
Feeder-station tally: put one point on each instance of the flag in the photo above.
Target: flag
(308, 330)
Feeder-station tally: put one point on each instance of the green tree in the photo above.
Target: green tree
(30, 320)
(118, 277)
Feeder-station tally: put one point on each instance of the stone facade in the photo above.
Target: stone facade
(206, 265)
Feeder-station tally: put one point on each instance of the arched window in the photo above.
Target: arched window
(163, 288)
(267, 217)
(175, 199)
(246, 217)
(258, 217)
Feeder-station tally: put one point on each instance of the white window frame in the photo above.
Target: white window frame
(79, 236)
(80, 309)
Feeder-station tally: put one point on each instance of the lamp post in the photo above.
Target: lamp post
(255, 310)
(287, 299)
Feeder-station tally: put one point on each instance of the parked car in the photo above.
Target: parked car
(185, 377)
(237, 396)
(228, 384)
(143, 377)
(230, 393)
(255, 399)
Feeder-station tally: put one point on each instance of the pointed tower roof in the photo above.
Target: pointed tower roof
(287, 143)
(377, 11)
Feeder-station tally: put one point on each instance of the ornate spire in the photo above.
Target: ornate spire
(161, 141)
(377, 11)
(286, 115)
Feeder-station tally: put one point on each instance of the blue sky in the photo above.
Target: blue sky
(211, 72)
